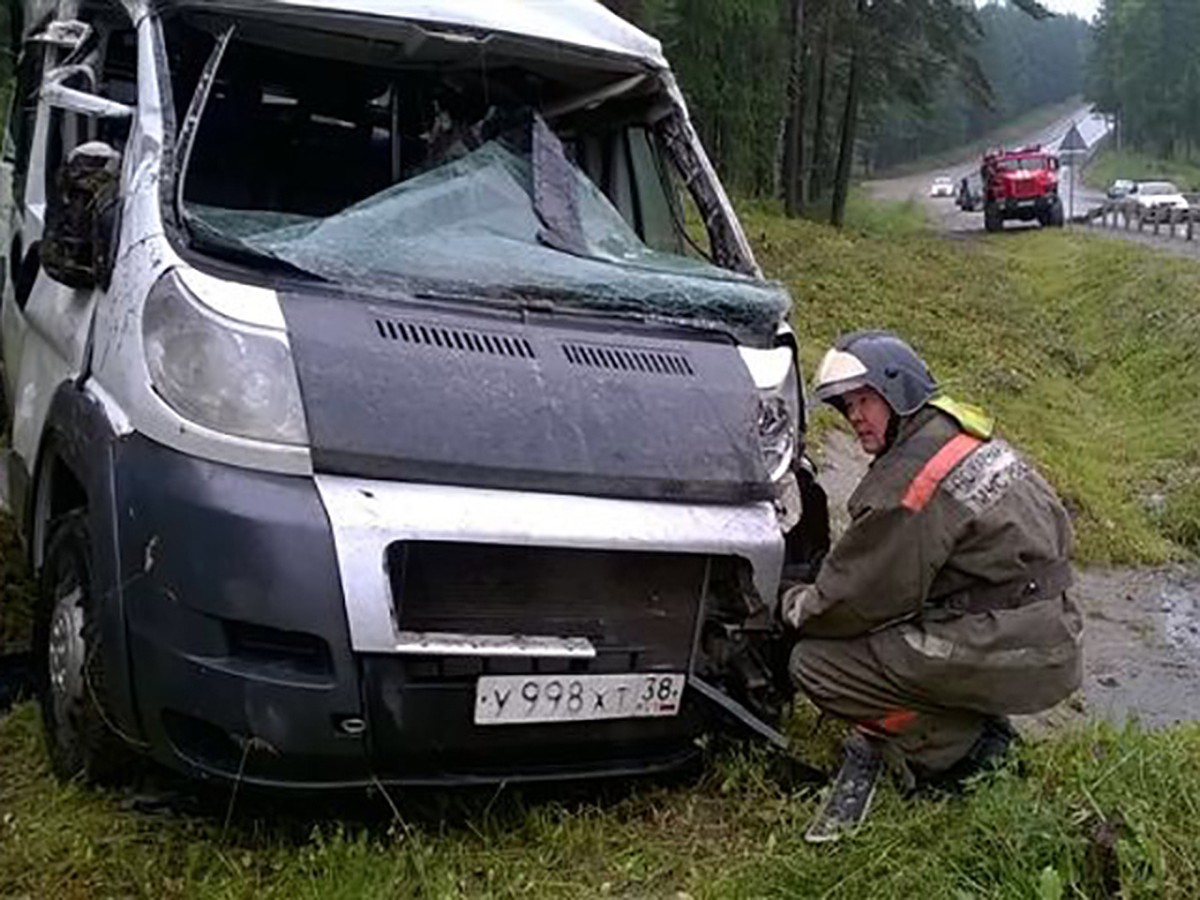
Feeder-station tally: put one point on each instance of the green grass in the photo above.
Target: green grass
(1083, 348)
(1109, 165)
(864, 215)
(1096, 813)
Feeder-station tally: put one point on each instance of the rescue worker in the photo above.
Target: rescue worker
(943, 606)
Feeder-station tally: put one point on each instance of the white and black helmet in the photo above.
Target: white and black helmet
(880, 360)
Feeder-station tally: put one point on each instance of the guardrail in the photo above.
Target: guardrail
(1127, 215)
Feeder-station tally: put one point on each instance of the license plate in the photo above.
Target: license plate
(1025, 203)
(517, 699)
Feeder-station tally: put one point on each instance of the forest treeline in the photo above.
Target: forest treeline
(792, 96)
(1145, 70)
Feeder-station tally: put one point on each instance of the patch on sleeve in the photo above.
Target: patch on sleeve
(986, 475)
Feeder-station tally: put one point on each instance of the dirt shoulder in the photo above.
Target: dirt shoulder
(1142, 632)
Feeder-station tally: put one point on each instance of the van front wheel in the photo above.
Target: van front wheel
(71, 684)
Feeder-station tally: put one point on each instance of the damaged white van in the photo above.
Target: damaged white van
(393, 395)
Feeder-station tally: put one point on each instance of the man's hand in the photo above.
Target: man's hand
(791, 605)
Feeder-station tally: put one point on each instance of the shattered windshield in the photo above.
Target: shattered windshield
(452, 184)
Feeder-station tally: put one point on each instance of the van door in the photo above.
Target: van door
(45, 323)
(19, 139)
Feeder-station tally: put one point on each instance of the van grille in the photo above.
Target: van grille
(624, 359)
(465, 340)
(640, 606)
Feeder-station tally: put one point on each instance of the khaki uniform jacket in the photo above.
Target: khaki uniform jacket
(938, 516)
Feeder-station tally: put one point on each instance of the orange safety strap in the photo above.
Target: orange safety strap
(921, 489)
(892, 723)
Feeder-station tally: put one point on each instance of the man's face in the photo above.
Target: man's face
(868, 414)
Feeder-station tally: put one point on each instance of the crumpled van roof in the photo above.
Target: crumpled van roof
(584, 24)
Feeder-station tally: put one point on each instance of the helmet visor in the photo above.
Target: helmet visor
(839, 373)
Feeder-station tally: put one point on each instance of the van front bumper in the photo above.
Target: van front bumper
(269, 641)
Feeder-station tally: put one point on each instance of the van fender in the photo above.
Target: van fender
(75, 465)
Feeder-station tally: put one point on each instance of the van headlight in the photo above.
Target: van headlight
(778, 421)
(231, 377)
(779, 418)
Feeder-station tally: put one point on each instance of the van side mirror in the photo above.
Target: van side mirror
(81, 217)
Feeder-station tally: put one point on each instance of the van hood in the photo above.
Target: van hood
(523, 401)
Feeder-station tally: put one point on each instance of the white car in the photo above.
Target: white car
(1156, 199)
(943, 186)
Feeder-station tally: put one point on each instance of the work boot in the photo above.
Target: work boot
(986, 754)
(849, 799)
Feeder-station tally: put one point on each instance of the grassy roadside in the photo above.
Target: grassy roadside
(1095, 814)
(1109, 165)
(1083, 348)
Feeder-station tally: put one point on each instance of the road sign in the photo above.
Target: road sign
(1072, 142)
(1072, 146)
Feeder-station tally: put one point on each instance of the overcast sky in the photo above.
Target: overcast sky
(1085, 9)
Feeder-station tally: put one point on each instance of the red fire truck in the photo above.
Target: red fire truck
(1021, 184)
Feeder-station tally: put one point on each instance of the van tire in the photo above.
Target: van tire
(71, 683)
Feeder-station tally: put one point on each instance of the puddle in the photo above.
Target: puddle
(1181, 612)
